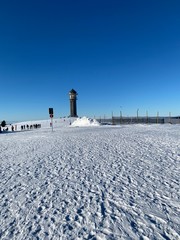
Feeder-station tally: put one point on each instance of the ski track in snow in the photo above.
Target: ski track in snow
(91, 183)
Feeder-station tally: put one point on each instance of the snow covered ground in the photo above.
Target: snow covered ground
(102, 182)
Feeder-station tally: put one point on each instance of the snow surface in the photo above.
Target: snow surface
(104, 182)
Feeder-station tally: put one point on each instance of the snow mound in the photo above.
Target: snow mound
(84, 122)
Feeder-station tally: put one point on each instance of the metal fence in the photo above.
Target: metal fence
(135, 120)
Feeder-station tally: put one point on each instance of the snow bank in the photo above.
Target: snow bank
(84, 121)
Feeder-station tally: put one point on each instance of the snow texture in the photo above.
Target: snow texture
(105, 182)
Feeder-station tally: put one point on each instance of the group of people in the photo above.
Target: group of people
(23, 127)
(27, 127)
(6, 129)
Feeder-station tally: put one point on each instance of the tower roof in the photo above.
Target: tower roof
(72, 91)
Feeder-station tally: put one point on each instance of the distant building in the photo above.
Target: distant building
(73, 108)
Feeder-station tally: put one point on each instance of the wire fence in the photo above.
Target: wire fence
(135, 120)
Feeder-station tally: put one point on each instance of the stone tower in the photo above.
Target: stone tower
(73, 108)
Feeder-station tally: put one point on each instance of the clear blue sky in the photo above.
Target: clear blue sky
(118, 55)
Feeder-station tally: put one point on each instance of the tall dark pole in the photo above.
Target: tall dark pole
(120, 115)
(112, 119)
(137, 114)
(157, 120)
(146, 116)
(169, 117)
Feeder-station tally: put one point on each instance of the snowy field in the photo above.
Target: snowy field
(101, 182)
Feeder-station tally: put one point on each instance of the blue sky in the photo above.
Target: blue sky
(118, 55)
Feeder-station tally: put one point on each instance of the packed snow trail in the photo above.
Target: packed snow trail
(91, 183)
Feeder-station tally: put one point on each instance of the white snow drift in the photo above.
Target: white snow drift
(84, 122)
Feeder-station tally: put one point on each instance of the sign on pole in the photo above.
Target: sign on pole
(51, 115)
(50, 111)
